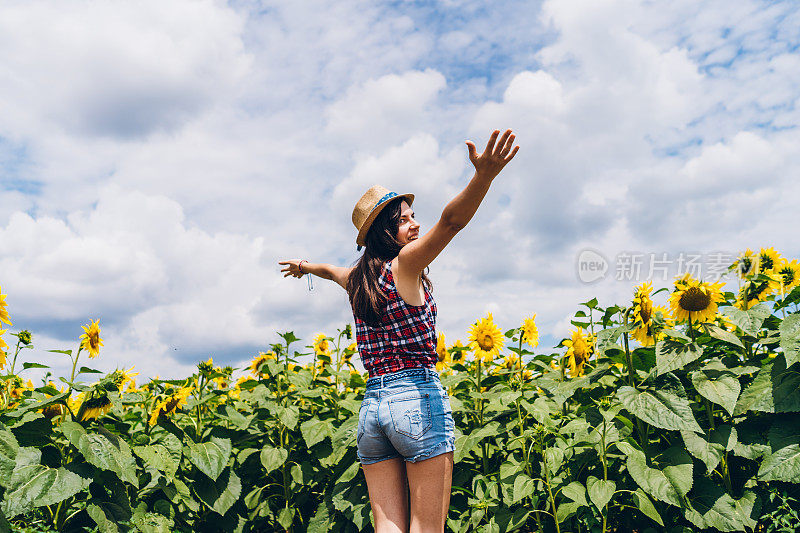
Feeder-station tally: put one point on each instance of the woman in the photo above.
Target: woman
(405, 437)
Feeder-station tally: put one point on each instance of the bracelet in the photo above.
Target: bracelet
(300, 266)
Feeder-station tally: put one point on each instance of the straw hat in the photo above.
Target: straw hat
(368, 207)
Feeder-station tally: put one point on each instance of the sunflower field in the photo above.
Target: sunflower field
(682, 417)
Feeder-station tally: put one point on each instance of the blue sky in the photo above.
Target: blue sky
(158, 160)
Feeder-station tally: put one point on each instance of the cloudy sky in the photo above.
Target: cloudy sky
(157, 159)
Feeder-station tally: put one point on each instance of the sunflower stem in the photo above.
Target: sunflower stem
(628, 358)
(691, 330)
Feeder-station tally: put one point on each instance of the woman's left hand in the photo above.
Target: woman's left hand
(293, 268)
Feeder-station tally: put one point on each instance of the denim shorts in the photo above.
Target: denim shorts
(405, 414)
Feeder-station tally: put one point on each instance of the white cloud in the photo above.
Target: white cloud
(115, 68)
(384, 110)
(180, 150)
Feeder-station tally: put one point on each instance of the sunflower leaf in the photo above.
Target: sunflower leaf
(659, 408)
(712, 507)
(672, 355)
(790, 339)
(724, 390)
(669, 482)
(774, 390)
(710, 448)
(723, 335)
(749, 321)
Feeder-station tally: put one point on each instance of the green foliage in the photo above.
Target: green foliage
(700, 431)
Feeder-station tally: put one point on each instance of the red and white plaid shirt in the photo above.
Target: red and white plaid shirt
(406, 337)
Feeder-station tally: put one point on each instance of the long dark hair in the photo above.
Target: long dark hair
(366, 297)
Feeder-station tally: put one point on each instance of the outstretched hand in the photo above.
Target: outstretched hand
(293, 268)
(493, 158)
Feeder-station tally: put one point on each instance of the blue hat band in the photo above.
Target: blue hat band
(386, 197)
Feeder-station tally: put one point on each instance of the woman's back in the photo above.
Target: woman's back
(406, 337)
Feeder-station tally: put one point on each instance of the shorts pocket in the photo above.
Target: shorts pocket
(362, 419)
(411, 415)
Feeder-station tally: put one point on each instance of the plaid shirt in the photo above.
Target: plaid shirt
(406, 337)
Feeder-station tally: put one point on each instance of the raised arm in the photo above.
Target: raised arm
(419, 253)
(322, 270)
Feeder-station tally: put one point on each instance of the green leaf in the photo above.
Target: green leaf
(158, 457)
(790, 338)
(87, 370)
(152, 523)
(659, 408)
(272, 458)
(237, 418)
(523, 487)
(8, 454)
(781, 465)
(723, 335)
(288, 415)
(553, 458)
(565, 510)
(34, 406)
(646, 506)
(219, 495)
(103, 449)
(600, 491)
(774, 390)
(710, 448)
(749, 321)
(286, 517)
(350, 473)
(35, 485)
(26, 366)
(210, 457)
(466, 443)
(673, 355)
(315, 430)
(103, 522)
(576, 492)
(723, 389)
(670, 482)
(712, 507)
(321, 521)
(607, 338)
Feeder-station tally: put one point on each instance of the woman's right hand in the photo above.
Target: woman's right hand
(493, 158)
(293, 268)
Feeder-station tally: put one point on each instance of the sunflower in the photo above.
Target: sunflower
(260, 359)
(788, 274)
(511, 362)
(2, 352)
(530, 333)
(321, 345)
(4, 311)
(695, 300)
(579, 349)
(642, 312)
(74, 402)
(171, 404)
(746, 264)
(768, 260)
(94, 408)
(486, 338)
(91, 340)
(131, 386)
(121, 377)
(24, 337)
(441, 347)
(458, 353)
(752, 292)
